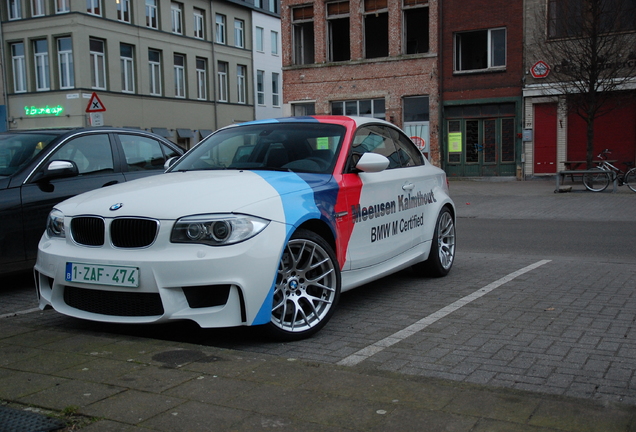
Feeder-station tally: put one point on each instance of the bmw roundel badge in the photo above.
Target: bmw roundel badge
(116, 206)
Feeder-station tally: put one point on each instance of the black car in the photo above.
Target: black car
(40, 168)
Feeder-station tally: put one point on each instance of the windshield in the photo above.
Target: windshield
(297, 147)
(17, 150)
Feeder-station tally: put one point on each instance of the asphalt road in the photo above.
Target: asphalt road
(541, 298)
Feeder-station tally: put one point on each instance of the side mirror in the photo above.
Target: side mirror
(58, 169)
(372, 162)
(170, 162)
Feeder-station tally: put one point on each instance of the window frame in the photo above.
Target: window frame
(62, 6)
(372, 9)
(98, 65)
(199, 23)
(220, 33)
(260, 87)
(179, 76)
(127, 64)
(123, 11)
(275, 89)
(274, 42)
(94, 7)
(408, 8)
(176, 17)
(155, 73)
(259, 37)
(241, 84)
(223, 95)
(18, 64)
(333, 18)
(303, 43)
(152, 14)
(14, 9)
(490, 52)
(38, 8)
(202, 78)
(65, 64)
(41, 66)
(239, 33)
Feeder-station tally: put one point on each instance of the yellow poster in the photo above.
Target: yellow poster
(454, 142)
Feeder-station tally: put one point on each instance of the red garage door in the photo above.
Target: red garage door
(545, 129)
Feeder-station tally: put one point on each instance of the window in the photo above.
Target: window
(143, 153)
(222, 75)
(241, 83)
(416, 26)
(92, 7)
(98, 64)
(199, 22)
(258, 35)
(127, 68)
(480, 50)
(179, 76)
(175, 14)
(91, 153)
(567, 18)
(376, 139)
(41, 57)
(260, 87)
(274, 37)
(19, 67)
(365, 108)
(304, 109)
(15, 9)
(303, 34)
(62, 6)
(239, 34)
(154, 61)
(376, 29)
(220, 29)
(123, 10)
(202, 79)
(65, 62)
(37, 8)
(151, 14)
(338, 28)
(275, 89)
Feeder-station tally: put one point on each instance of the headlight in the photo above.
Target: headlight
(216, 229)
(55, 224)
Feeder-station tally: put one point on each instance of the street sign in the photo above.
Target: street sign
(540, 69)
(94, 104)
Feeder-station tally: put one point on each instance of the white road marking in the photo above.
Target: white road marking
(380, 345)
(24, 312)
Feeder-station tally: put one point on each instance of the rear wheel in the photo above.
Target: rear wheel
(307, 287)
(630, 179)
(442, 254)
(596, 181)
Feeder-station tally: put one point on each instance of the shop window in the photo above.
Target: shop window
(338, 25)
(365, 108)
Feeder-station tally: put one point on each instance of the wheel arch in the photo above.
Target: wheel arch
(322, 229)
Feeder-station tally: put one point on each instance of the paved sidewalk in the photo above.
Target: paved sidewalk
(125, 383)
(132, 384)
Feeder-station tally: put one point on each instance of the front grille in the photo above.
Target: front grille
(133, 233)
(114, 303)
(88, 230)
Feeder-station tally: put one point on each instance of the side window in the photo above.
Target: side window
(143, 153)
(375, 139)
(409, 154)
(91, 153)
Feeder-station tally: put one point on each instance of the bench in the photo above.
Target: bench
(561, 176)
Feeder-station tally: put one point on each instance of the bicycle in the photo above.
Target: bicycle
(598, 182)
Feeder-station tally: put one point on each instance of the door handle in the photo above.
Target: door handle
(110, 183)
(408, 186)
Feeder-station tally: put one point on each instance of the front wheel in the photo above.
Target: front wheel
(307, 287)
(442, 253)
(596, 181)
(630, 179)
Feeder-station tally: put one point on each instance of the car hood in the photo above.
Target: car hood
(177, 194)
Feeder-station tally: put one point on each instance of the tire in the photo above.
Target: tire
(307, 288)
(442, 254)
(630, 179)
(596, 182)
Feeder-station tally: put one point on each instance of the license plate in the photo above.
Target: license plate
(102, 274)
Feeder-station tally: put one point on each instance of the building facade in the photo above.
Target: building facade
(481, 79)
(375, 58)
(268, 64)
(181, 69)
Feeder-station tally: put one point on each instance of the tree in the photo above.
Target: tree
(590, 46)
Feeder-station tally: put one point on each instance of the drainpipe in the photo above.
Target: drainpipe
(4, 78)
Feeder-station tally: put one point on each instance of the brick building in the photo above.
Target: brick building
(374, 58)
(482, 75)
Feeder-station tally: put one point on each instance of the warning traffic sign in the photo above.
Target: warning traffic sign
(94, 104)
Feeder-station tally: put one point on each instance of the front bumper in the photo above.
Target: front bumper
(214, 286)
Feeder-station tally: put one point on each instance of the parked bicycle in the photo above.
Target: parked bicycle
(598, 181)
